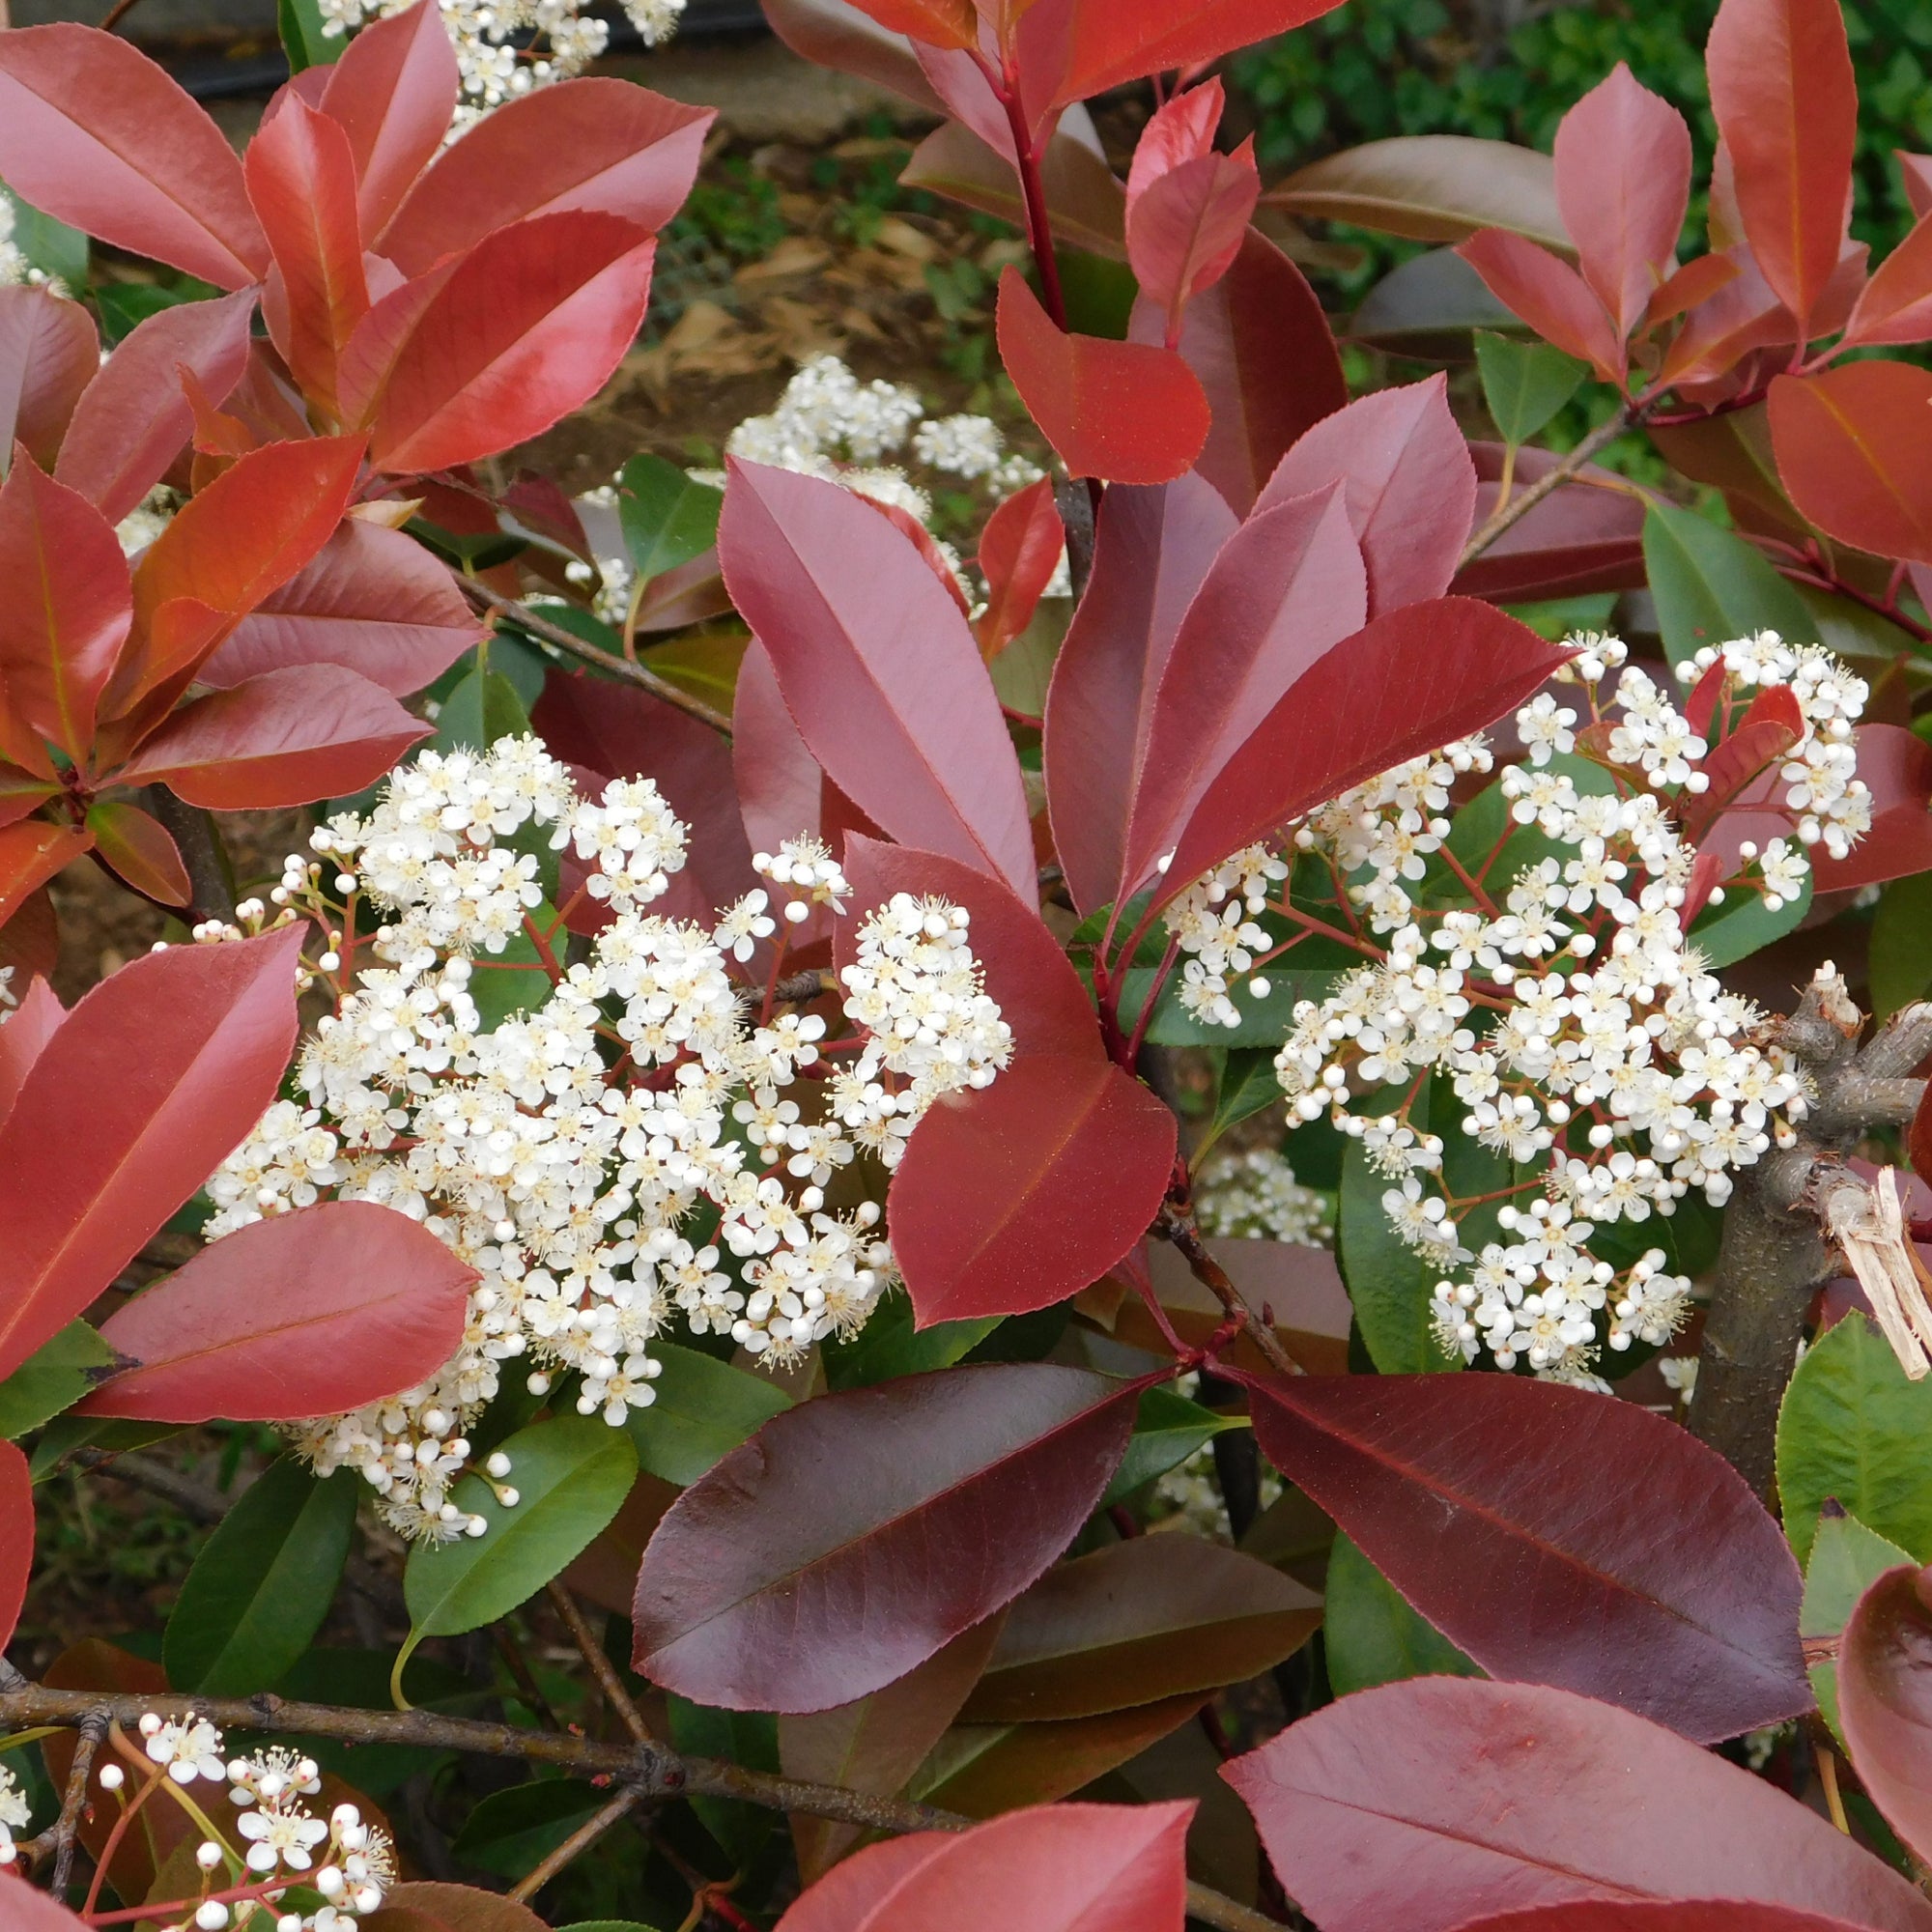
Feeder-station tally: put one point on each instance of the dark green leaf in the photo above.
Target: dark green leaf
(483, 708)
(1371, 1634)
(1168, 1429)
(49, 245)
(1727, 933)
(1846, 1560)
(1899, 958)
(304, 40)
(263, 1583)
(53, 1377)
(513, 981)
(1390, 1284)
(361, 1678)
(66, 1434)
(667, 519)
(1710, 585)
(704, 1409)
(1524, 383)
(747, 1737)
(889, 1346)
(511, 1831)
(1248, 1084)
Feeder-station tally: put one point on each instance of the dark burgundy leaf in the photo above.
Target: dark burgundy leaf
(1885, 1699)
(1579, 539)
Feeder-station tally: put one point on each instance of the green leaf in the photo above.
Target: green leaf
(1168, 1429)
(1899, 957)
(53, 1377)
(509, 1833)
(1390, 1284)
(1023, 670)
(1846, 1560)
(1372, 1635)
(513, 981)
(66, 1434)
(1710, 585)
(571, 1474)
(483, 708)
(667, 518)
(704, 1409)
(300, 22)
(1727, 933)
(1524, 383)
(889, 1346)
(747, 1738)
(49, 245)
(1853, 1429)
(262, 1585)
(1248, 1084)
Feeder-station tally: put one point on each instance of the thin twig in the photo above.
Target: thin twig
(65, 1829)
(1554, 477)
(642, 675)
(602, 1668)
(116, 13)
(525, 1678)
(580, 1840)
(1178, 1225)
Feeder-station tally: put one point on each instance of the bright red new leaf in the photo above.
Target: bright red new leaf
(768, 1588)
(1530, 1567)
(1548, 295)
(16, 1531)
(1431, 1802)
(938, 23)
(1885, 1697)
(97, 135)
(878, 668)
(27, 1029)
(1655, 1914)
(141, 851)
(1019, 551)
(393, 93)
(1787, 108)
(1408, 481)
(1128, 412)
(1896, 304)
(31, 853)
(1012, 1197)
(310, 1312)
(1852, 454)
(527, 326)
(151, 1081)
(1182, 130)
(1114, 41)
(49, 352)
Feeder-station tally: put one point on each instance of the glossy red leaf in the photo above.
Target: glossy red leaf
(67, 606)
(780, 785)
(1408, 480)
(1019, 551)
(835, 34)
(1015, 1196)
(1288, 586)
(1787, 107)
(49, 352)
(1128, 412)
(1852, 454)
(17, 1534)
(1408, 682)
(1533, 1568)
(302, 179)
(1429, 1802)
(23, 1034)
(283, 737)
(310, 1312)
(1153, 548)
(938, 23)
(150, 1083)
(1548, 295)
(372, 600)
(140, 850)
(1114, 41)
(767, 1587)
(134, 417)
(926, 543)
(1885, 1697)
(31, 853)
(1040, 996)
(1186, 225)
(1769, 727)
(1623, 183)
(29, 936)
(1657, 1914)
(1180, 130)
(598, 146)
(1895, 765)
(22, 793)
(1896, 304)
(1262, 349)
(97, 135)
(878, 668)
(1084, 199)
(1057, 1868)
(527, 328)
(393, 93)
(1578, 539)
(382, 336)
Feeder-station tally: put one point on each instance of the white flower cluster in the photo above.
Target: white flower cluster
(15, 271)
(507, 47)
(1255, 1196)
(14, 1814)
(592, 1156)
(349, 1864)
(1548, 989)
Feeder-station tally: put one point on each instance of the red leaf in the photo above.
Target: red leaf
(1153, 548)
(1896, 304)
(49, 352)
(1040, 993)
(1579, 539)
(527, 328)
(29, 1911)
(1657, 1914)
(310, 1312)
(1188, 208)
(23, 1034)
(780, 785)
(1548, 295)
(382, 336)
(1408, 483)
(1408, 682)
(921, 540)
(16, 1531)
(1123, 410)
(22, 793)
(1852, 453)
(1787, 107)
(1897, 766)
(1012, 1197)
(285, 737)
(1182, 130)
(1126, 40)
(373, 600)
(134, 418)
(835, 34)
(1884, 1693)
(1532, 1566)
(1761, 737)
(600, 146)
(31, 853)
(766, 1588)
(393, 93)
(1288, 586)
(302, 179)
(67, 606)
(1263, 353)
(96, 135)
(878, 668)
(1623, 183)
(30, 937)
(1019, 551)
(140, 850)
(150, 1083)
(938, 23)
(1057, 1868)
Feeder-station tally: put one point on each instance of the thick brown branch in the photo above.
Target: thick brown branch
(1554, 478)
